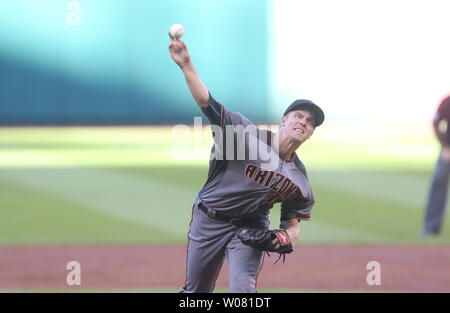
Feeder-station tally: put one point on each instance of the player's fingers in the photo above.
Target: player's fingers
(275, 243)
(173, 40)
(176, 47)
(172, 50)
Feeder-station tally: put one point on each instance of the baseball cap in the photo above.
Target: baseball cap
(302, 104)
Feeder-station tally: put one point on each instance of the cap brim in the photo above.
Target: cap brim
(311, 107)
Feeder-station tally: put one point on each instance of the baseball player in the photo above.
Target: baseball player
(230, 213)
(437, 197)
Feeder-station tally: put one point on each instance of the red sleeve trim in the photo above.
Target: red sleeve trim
(303, 216)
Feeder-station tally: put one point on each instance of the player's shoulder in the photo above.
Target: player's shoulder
(240, 118)
(266, 134)
(237, 118)
(300, 165)
(445, 102)
(444, 105)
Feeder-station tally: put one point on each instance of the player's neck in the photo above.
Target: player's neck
(284, 146)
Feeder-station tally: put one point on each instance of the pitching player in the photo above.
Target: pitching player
(230, 212)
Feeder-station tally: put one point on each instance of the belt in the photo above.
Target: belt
(221, 217)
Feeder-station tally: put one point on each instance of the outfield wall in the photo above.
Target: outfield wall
(107, 62)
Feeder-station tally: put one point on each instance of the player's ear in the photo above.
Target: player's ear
(283, 120)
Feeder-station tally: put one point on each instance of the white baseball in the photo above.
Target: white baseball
(176, 31)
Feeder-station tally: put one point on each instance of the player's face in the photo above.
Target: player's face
(299, 125)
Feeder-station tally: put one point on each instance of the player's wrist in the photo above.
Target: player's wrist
(293, 234)
(186, 66)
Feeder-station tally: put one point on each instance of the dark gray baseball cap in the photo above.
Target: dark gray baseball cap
(302, 104)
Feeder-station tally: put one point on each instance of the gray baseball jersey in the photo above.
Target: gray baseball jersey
(241, 186)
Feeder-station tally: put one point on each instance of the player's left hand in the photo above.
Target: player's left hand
(293, 236)
(275, 240)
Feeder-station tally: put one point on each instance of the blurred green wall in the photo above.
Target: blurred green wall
(115, 68)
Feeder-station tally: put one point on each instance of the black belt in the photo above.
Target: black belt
(220, 217)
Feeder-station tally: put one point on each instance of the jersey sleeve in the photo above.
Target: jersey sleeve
(217, 114)
(298, 208)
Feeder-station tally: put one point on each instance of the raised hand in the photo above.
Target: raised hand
(179, 52)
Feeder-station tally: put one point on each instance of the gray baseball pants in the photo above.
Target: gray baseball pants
(210, 242)
(437, 198)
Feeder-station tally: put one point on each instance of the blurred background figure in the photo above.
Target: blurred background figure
(437, 197)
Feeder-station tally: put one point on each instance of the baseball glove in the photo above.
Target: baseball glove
(275, 240)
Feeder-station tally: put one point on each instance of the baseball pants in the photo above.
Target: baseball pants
(210, 242)
(434, 214)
